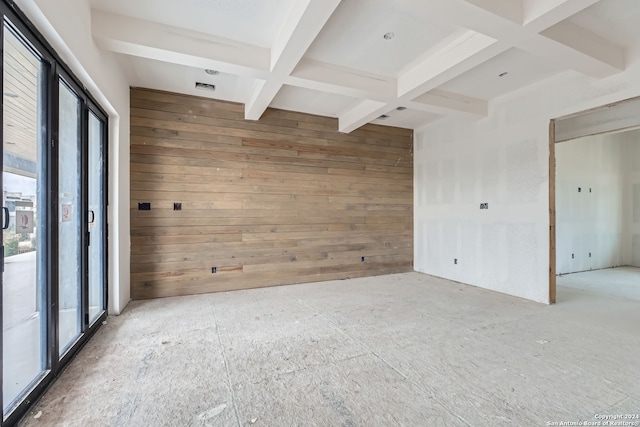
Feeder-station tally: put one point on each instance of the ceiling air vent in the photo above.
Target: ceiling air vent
(205, 86)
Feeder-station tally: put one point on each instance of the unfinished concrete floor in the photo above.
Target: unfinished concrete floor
(623, 282)
(404, 349)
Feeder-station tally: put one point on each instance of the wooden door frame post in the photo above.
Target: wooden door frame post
(552, 212)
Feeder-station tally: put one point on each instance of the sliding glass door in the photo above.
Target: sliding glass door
(53, 219)
(69, 218)
(24, 308)
(96, 216)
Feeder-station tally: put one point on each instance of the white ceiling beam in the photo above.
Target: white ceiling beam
(509, 9)
(436, 101)
(351, 119)
(280, 51)
(570, 46)
(495, 26)
(448, 103)
(461, 55)
(303, 26)
(588, 51)
(137, 37)
(541, 14)
(481, 16)
(317, 75)
(485, 17)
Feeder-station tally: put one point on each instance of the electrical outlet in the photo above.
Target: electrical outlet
(214, 269)
(145, 206)
(589, 254)
(455, 260)
(579, 189)
(484, 205)
(361, 259)
(177, 206)
(573, 256)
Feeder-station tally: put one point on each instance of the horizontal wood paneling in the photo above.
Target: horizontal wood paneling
(286, 199)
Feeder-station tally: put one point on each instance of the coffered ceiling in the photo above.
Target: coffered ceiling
(358, 60)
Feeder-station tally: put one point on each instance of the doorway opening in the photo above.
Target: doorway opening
(594, 197)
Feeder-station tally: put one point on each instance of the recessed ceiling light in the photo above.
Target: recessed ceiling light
(10, 95)
(502, 74)
(401, 108)
(382, 117)
(205, 86)
(389, 35)
(212, 72)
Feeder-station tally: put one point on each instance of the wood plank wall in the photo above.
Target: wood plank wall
(283, 200)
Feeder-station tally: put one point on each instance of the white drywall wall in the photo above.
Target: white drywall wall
(66, 26)
(591, 222)
(501, 160)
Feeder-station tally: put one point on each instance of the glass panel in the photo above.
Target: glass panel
(24, 190)
(69, 220)
(96, 220)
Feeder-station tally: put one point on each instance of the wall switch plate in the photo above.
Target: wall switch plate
(145, 206)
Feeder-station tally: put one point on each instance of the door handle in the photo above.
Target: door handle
(93, 217)
(5, 225)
